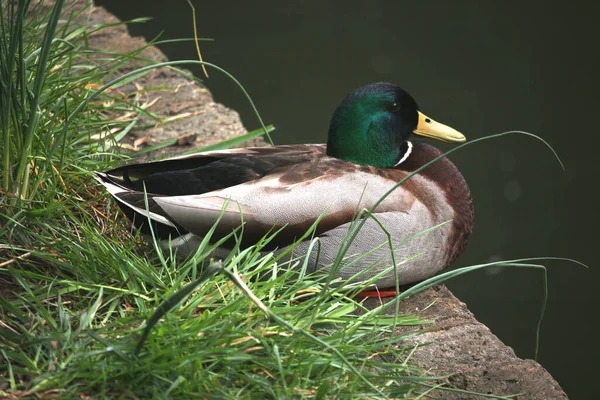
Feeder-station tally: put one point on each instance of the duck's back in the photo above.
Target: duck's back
(205, 172)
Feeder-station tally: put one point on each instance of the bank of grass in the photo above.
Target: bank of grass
(76, 288)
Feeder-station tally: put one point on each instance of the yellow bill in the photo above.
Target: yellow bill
(432, 129)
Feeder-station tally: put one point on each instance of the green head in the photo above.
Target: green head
(372, 124)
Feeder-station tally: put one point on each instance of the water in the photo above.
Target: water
(481, 67)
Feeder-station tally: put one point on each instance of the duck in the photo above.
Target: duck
(413, 233)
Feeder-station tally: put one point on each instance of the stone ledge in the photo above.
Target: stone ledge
(196, 119)
(466, 350)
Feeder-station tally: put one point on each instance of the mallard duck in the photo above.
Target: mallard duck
(290, 187)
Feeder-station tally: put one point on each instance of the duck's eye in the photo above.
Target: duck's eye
(395, 107)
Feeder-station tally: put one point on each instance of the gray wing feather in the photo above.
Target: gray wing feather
(370, 253)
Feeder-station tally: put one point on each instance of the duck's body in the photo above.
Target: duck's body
(292, 187)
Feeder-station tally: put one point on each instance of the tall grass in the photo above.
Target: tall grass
(45, 72)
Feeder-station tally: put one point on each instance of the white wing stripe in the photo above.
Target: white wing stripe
(116, 189)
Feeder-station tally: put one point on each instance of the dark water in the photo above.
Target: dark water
(481, 67)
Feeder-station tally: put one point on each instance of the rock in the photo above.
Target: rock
(460, 346)
(186, 108)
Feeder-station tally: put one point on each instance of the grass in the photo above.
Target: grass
(87, 309)
(77, 287)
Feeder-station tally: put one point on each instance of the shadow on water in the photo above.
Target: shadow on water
(481, 67)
